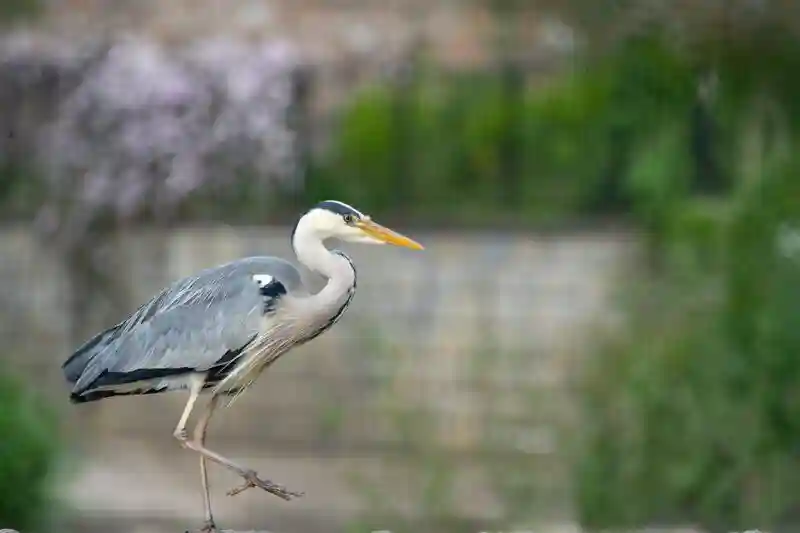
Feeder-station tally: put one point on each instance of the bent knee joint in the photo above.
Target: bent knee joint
(181, 435)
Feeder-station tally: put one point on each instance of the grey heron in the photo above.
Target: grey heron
(215, 332)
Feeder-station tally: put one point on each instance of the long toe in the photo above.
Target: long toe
(253, 481)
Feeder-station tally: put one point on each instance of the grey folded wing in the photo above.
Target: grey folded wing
(199, 324)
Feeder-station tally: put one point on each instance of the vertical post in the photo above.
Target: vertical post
(709, 177)
(300, 121)
(402, 122)
(507, 13)
(513, 87)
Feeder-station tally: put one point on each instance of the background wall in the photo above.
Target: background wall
(460, 333)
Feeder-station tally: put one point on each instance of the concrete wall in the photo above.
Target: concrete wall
(460, 335)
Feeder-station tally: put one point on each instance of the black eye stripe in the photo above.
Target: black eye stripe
(339, 208)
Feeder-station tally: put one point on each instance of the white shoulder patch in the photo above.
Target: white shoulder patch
(263, 279)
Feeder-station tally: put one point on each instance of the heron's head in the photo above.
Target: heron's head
(336, 220)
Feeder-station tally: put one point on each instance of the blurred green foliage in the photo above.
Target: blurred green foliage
(28, 451)
(13, 10)
(443, 149)
(468, 146)
(690, 412)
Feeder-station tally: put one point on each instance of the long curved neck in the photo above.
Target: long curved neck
(340, 274)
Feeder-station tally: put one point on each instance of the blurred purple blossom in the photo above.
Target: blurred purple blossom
(144, 125)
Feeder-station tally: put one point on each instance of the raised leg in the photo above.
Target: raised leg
(250, 476)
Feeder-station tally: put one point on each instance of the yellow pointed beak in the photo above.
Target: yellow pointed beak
(375, 230)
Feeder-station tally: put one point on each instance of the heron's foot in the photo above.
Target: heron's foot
(253, 481)
(209, 527)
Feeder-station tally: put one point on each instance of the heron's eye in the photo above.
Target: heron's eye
(348, 219)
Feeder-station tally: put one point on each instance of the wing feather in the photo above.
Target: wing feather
(193, 325)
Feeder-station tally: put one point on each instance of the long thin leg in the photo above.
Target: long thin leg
(250, 476)
(200, 437)
(194, 392)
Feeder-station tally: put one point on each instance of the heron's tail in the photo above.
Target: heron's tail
(74, 367)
